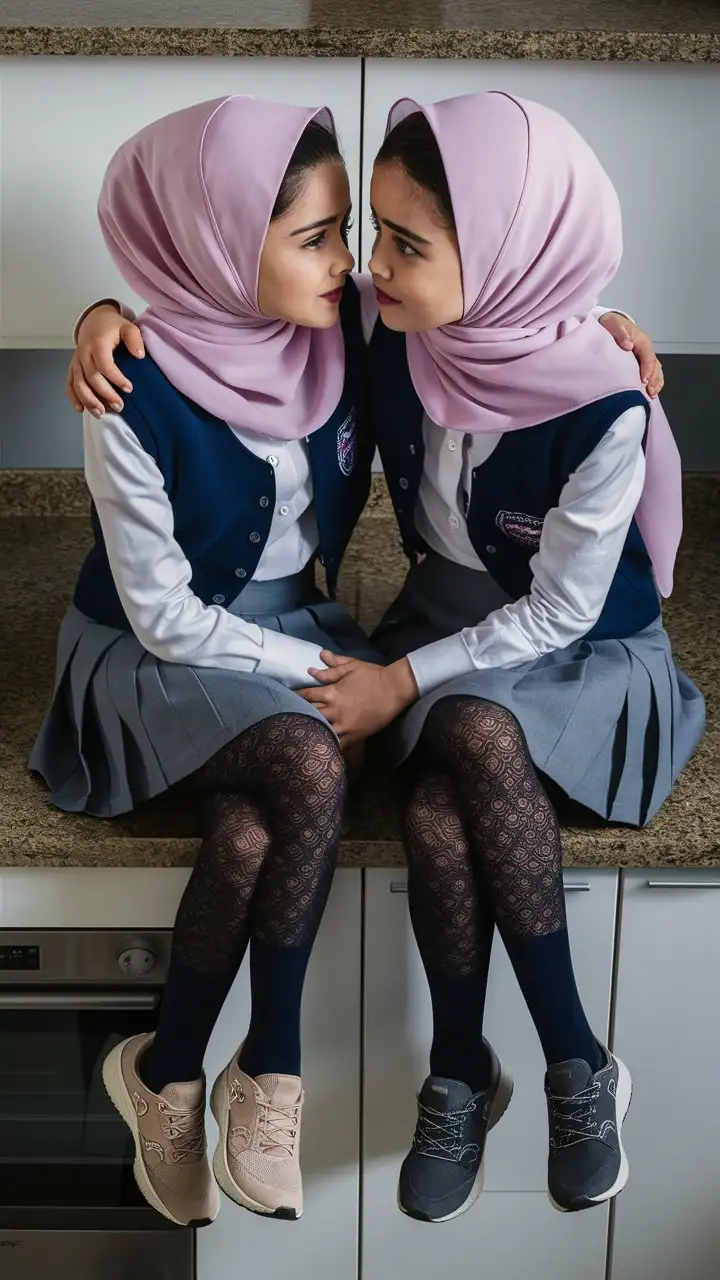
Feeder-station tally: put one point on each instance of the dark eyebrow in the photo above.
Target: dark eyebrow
(322, 222)
(401, 231)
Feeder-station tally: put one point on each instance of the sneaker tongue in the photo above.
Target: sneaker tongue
(281, 1091)
(445, 1095)
(568, 1078)
(186, 1096)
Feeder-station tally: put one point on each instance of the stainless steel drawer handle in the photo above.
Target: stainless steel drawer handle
(683, 884)
(80, 1001)
(577, 886)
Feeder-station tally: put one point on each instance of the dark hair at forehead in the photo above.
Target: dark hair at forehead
(412, 144)
(317, 145)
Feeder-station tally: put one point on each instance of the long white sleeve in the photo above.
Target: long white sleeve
(580, 546)
(152, 574)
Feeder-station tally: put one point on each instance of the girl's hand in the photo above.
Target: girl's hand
(93, 375)
(630, 338)
(360, 698)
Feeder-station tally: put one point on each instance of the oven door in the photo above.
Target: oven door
(68, 1201)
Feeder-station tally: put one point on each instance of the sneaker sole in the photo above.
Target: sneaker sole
(623, 1100)
(117, 1091)
(221, 1110)
(501, 1102)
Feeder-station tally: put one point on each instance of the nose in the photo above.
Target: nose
(376, 263)
(344, 264)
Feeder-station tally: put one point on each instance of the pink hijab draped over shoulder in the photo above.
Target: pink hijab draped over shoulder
(184, 209)
(539, 231)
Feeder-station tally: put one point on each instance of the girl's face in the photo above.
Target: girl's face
(305, 258)
(415, 262)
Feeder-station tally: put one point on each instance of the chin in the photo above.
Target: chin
(396, 318)
(324, 319)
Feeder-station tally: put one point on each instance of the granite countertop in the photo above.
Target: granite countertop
(644, 31)
(39, 554)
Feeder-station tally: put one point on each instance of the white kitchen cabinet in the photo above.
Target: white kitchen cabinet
(323, 1244)
(61, 119)
(513, 1222)
(668, 1029)
(654, 127)
(132, 898)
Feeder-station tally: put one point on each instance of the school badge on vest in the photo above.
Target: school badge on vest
(519, 527)
(347, 444)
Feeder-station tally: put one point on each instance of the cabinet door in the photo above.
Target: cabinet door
(61, 121)
(667, 1029)
(323, 1245)
(654, 129)
(513, 1222)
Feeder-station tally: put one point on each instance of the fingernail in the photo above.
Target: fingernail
(96, 413)
(116, 405)
(127, 386)
(139, 352)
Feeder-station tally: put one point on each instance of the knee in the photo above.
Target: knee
(305, 750)
(474, 732)
(238, 836)
(433, 829)
(305, 769)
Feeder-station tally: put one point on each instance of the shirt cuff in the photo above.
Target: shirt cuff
(598, 312)
(287, 659)
(439, 662)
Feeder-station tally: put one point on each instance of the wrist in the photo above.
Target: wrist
(87, 322)
(403, 685)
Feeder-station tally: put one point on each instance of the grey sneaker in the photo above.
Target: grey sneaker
(587, 1164)
(442, 1174)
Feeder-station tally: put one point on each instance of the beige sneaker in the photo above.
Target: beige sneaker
(257, 1158)
(171, 1167)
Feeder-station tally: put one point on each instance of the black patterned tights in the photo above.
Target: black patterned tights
(274, 800)
(483, 847)
(278, 788)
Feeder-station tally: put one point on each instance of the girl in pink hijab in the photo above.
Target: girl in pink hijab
(538, 493)
(239, 459)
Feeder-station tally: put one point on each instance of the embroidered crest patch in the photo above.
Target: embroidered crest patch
(519, 527)
(347, 444)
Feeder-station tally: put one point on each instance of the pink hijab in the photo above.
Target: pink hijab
(539, 230)
(184, 209)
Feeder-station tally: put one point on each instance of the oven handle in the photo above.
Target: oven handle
(81, 1001)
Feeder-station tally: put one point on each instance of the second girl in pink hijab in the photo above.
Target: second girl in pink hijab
(538, 490)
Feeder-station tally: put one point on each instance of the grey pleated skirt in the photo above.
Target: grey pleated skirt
(123, 726)
(611, 722)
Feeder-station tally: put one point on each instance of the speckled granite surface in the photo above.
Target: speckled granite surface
(645, 31)
(39, 555)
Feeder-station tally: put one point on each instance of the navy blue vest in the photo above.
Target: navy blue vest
(512, 491)
(222, 495)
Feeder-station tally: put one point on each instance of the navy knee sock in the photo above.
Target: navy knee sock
(191, 1007)
(458, 1052)
(277, 977)
(543, 967)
